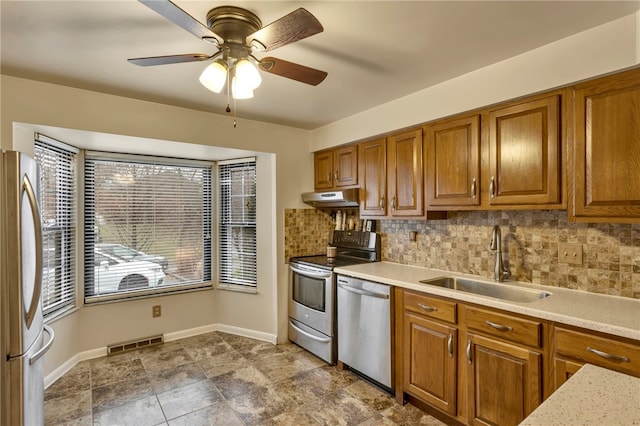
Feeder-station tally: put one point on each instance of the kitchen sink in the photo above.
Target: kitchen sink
(499, 291)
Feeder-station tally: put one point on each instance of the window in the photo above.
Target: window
(237, 221)
(147, 225)
(57, 202)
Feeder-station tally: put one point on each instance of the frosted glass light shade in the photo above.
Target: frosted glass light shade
(214, 76)
(247, 74)
(240, 91)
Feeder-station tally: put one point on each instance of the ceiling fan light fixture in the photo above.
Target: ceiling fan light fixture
(214, 76)
(240, 90)
(247, 74)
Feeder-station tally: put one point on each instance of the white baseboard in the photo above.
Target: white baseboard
(168, 337)
(71, 362)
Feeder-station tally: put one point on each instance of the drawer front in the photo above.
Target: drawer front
(507, 327)
(608, 353)
(442, 310)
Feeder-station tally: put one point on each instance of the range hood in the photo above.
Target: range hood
(342, 198)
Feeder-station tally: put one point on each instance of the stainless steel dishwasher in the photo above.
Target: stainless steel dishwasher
(364, 328)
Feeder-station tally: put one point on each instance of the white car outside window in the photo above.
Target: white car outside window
(112, 273)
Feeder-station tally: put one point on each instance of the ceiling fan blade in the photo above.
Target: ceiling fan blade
(181, 18)
(170, 59)
(295, 26)
(293, 71)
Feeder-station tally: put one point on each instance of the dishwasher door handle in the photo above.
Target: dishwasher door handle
(309, 335)
(362, 292)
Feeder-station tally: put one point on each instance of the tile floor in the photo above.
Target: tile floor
(220, 379)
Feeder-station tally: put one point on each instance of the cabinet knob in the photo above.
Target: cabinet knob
(492, 187)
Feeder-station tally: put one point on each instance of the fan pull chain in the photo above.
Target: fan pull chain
(234, 113)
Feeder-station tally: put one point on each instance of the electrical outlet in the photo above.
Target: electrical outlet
(156, 311)
(570, 253)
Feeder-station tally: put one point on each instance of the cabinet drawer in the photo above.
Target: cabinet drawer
(507, 327)
(430, 306)
(597, 350)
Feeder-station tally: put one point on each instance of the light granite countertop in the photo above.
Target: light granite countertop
(592, 396)
(619, 316)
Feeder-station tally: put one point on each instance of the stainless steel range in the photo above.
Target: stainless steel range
(312, 290)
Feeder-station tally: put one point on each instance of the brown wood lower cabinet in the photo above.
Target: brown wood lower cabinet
(504, 381)
(430, 367)
(573, 348)
(455, 360)
(484, 366)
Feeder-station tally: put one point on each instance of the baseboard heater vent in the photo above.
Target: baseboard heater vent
(135, 344)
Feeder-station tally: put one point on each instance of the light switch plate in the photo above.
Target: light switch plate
(570, 253)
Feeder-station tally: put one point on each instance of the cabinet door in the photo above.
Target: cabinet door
(524, 154)
(323, 167)
(404, 174)
(564, 369)
(606, 151)
(373, 165)
(504, 381)
(453, 163)
(430, 362)
(345, 163)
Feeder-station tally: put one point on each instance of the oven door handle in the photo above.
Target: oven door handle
(309, 335)
(363, 292)
(310, 273)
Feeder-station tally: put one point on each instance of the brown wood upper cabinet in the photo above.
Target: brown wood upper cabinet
(336, 168)
(391, 179)
(453, 162)
(605, 151)
(503, 157)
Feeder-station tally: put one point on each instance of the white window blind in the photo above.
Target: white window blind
(147, 226)
(57, 202)
(237, 222)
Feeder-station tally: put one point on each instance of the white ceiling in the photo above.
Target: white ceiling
(374, 51)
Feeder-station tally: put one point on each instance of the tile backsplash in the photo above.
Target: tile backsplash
(306, 232)
(530, 239)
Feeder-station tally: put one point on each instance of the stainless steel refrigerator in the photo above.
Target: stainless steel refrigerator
(25, 337)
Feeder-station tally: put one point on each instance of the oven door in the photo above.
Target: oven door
(311, 297)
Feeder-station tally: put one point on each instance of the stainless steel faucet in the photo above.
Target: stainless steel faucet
(500, 270)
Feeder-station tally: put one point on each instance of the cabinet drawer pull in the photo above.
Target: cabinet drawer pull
(610, 357)
(336, 175)
(469, 351)
(393, 202)
(499, 327)
(382, 202)
(450, 345)
(427, 308)
(492, 187)
(473, 188)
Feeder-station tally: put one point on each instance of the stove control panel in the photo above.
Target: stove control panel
(354, 239)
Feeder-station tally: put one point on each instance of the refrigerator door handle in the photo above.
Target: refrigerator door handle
(37, 290)
(45, 347)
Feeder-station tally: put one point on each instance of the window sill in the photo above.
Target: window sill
(50, 319)
(115, 298)
(237, 288)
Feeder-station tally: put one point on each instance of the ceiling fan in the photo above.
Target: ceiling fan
(238, 33)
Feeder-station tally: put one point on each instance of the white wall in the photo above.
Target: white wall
(289, 168)
(600, 50)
